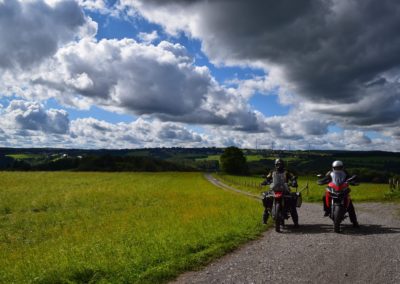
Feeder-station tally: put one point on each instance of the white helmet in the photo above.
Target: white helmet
(337, 164)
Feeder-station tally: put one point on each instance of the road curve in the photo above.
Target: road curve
(313, 253)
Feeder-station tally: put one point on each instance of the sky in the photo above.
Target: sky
(305, 74)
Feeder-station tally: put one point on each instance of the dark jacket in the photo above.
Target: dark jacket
(289, 177)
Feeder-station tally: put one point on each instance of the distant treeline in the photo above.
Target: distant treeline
(370, 166)
(146, 159)
(377, 167)
(159, 153)
(106, 163)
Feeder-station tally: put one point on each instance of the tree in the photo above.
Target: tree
(233, 161)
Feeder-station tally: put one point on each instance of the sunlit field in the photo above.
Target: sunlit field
(249, 158)
(69, 227)
(313, 192)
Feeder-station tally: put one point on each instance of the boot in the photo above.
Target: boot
(326, 208)
(265, 216)
(352, 215)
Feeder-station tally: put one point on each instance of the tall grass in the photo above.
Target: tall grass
(116, 227)
(364, 192)
(312, 192)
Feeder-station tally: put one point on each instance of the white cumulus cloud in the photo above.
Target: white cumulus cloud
(25, 115)
(32, 31)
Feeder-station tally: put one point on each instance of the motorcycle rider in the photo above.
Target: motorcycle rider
(276, 178)
(338, 166)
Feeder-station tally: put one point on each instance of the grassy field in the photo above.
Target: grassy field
(25, 156)
(249, 158)
(209, 158)
(69, 227)
(252, 158)
(363, 192)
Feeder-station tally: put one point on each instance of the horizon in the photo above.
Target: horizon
(188, 148)
(123, 74)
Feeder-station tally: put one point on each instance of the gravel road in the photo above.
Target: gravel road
(313, 253)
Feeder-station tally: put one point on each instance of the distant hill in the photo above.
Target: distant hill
(153, 159)
(369, 165)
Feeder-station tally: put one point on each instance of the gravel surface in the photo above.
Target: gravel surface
(313, 253)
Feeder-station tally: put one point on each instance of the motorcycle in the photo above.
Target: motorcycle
(278, 200)
(337, 196)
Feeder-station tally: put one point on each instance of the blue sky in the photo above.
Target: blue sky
(133, 74)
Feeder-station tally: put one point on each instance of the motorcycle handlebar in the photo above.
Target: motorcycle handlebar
(323, 181)
(351, 181)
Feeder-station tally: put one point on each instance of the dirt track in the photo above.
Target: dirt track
(313, 253)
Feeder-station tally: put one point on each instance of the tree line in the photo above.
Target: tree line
(106, 163)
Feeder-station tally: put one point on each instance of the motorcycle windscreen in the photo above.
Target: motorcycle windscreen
(338, 177)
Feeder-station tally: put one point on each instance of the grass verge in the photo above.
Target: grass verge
(313, 193)
(69, 227)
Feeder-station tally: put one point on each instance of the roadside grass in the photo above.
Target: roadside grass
(361, 193)
(247, 183)
(70, 227)
(364, 192)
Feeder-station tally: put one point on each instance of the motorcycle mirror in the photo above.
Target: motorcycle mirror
(352, 178)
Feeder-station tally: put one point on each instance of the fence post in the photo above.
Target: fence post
(397, 184)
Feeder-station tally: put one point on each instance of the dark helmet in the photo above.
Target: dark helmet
(279, 164)
(337, 165)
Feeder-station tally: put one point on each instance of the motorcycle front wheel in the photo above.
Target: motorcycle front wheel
(278, 217)
(337, 217)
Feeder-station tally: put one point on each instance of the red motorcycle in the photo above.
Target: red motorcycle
(337, 197)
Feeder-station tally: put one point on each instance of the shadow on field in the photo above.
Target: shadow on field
(369, 229)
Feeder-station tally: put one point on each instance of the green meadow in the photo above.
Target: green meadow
(249, 158)
(68, 227)
(313, 192)
(25, 156)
